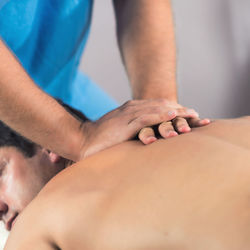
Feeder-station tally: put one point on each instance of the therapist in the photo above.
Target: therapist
(40, 49)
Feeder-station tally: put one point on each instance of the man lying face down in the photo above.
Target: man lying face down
(25, 168)
(190, 192)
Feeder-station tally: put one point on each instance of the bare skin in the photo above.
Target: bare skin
(146, 38)
(151, 70)
(186, 193)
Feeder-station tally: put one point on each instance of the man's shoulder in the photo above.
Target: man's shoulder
(70, 202)
(29, 231)
(63, 206)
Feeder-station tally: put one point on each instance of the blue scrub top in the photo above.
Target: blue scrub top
(48, 37)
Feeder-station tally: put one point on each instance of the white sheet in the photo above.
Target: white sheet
(3, 236)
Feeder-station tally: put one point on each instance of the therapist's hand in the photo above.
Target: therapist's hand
(125, 122)
(167, 129)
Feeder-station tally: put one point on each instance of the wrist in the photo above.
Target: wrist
(155, 90)
(171, 97)
(74, 139)
(85, 139)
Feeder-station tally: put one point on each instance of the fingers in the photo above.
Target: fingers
(158, 106)
(181, 125)
(171, 118)
(147, 135)
(172, 128)
(196, 122)
(151, 112)
(167, 130)
(148, 120)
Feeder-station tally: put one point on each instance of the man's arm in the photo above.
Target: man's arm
(146, 39)
(34, 114)
(37, 116)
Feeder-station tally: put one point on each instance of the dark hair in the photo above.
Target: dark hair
(10, 138)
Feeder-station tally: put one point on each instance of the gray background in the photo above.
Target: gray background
(213, 38)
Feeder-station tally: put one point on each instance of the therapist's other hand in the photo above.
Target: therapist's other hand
(172, 128)
(125, 122)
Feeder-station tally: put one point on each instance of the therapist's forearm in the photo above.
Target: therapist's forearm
(147, 43)
(34, 114)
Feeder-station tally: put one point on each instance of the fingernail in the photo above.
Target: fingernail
(185, 129)
(205, 121)
(150, 139)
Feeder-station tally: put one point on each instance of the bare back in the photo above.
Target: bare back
(186, 193)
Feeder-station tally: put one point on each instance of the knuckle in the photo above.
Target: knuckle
(166, 125)
(146, 132)
(172, 112)
(167, 116)
(182, 123)
(180, 120)
(143, 120)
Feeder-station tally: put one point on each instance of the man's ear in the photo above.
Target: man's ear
(55, 158)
